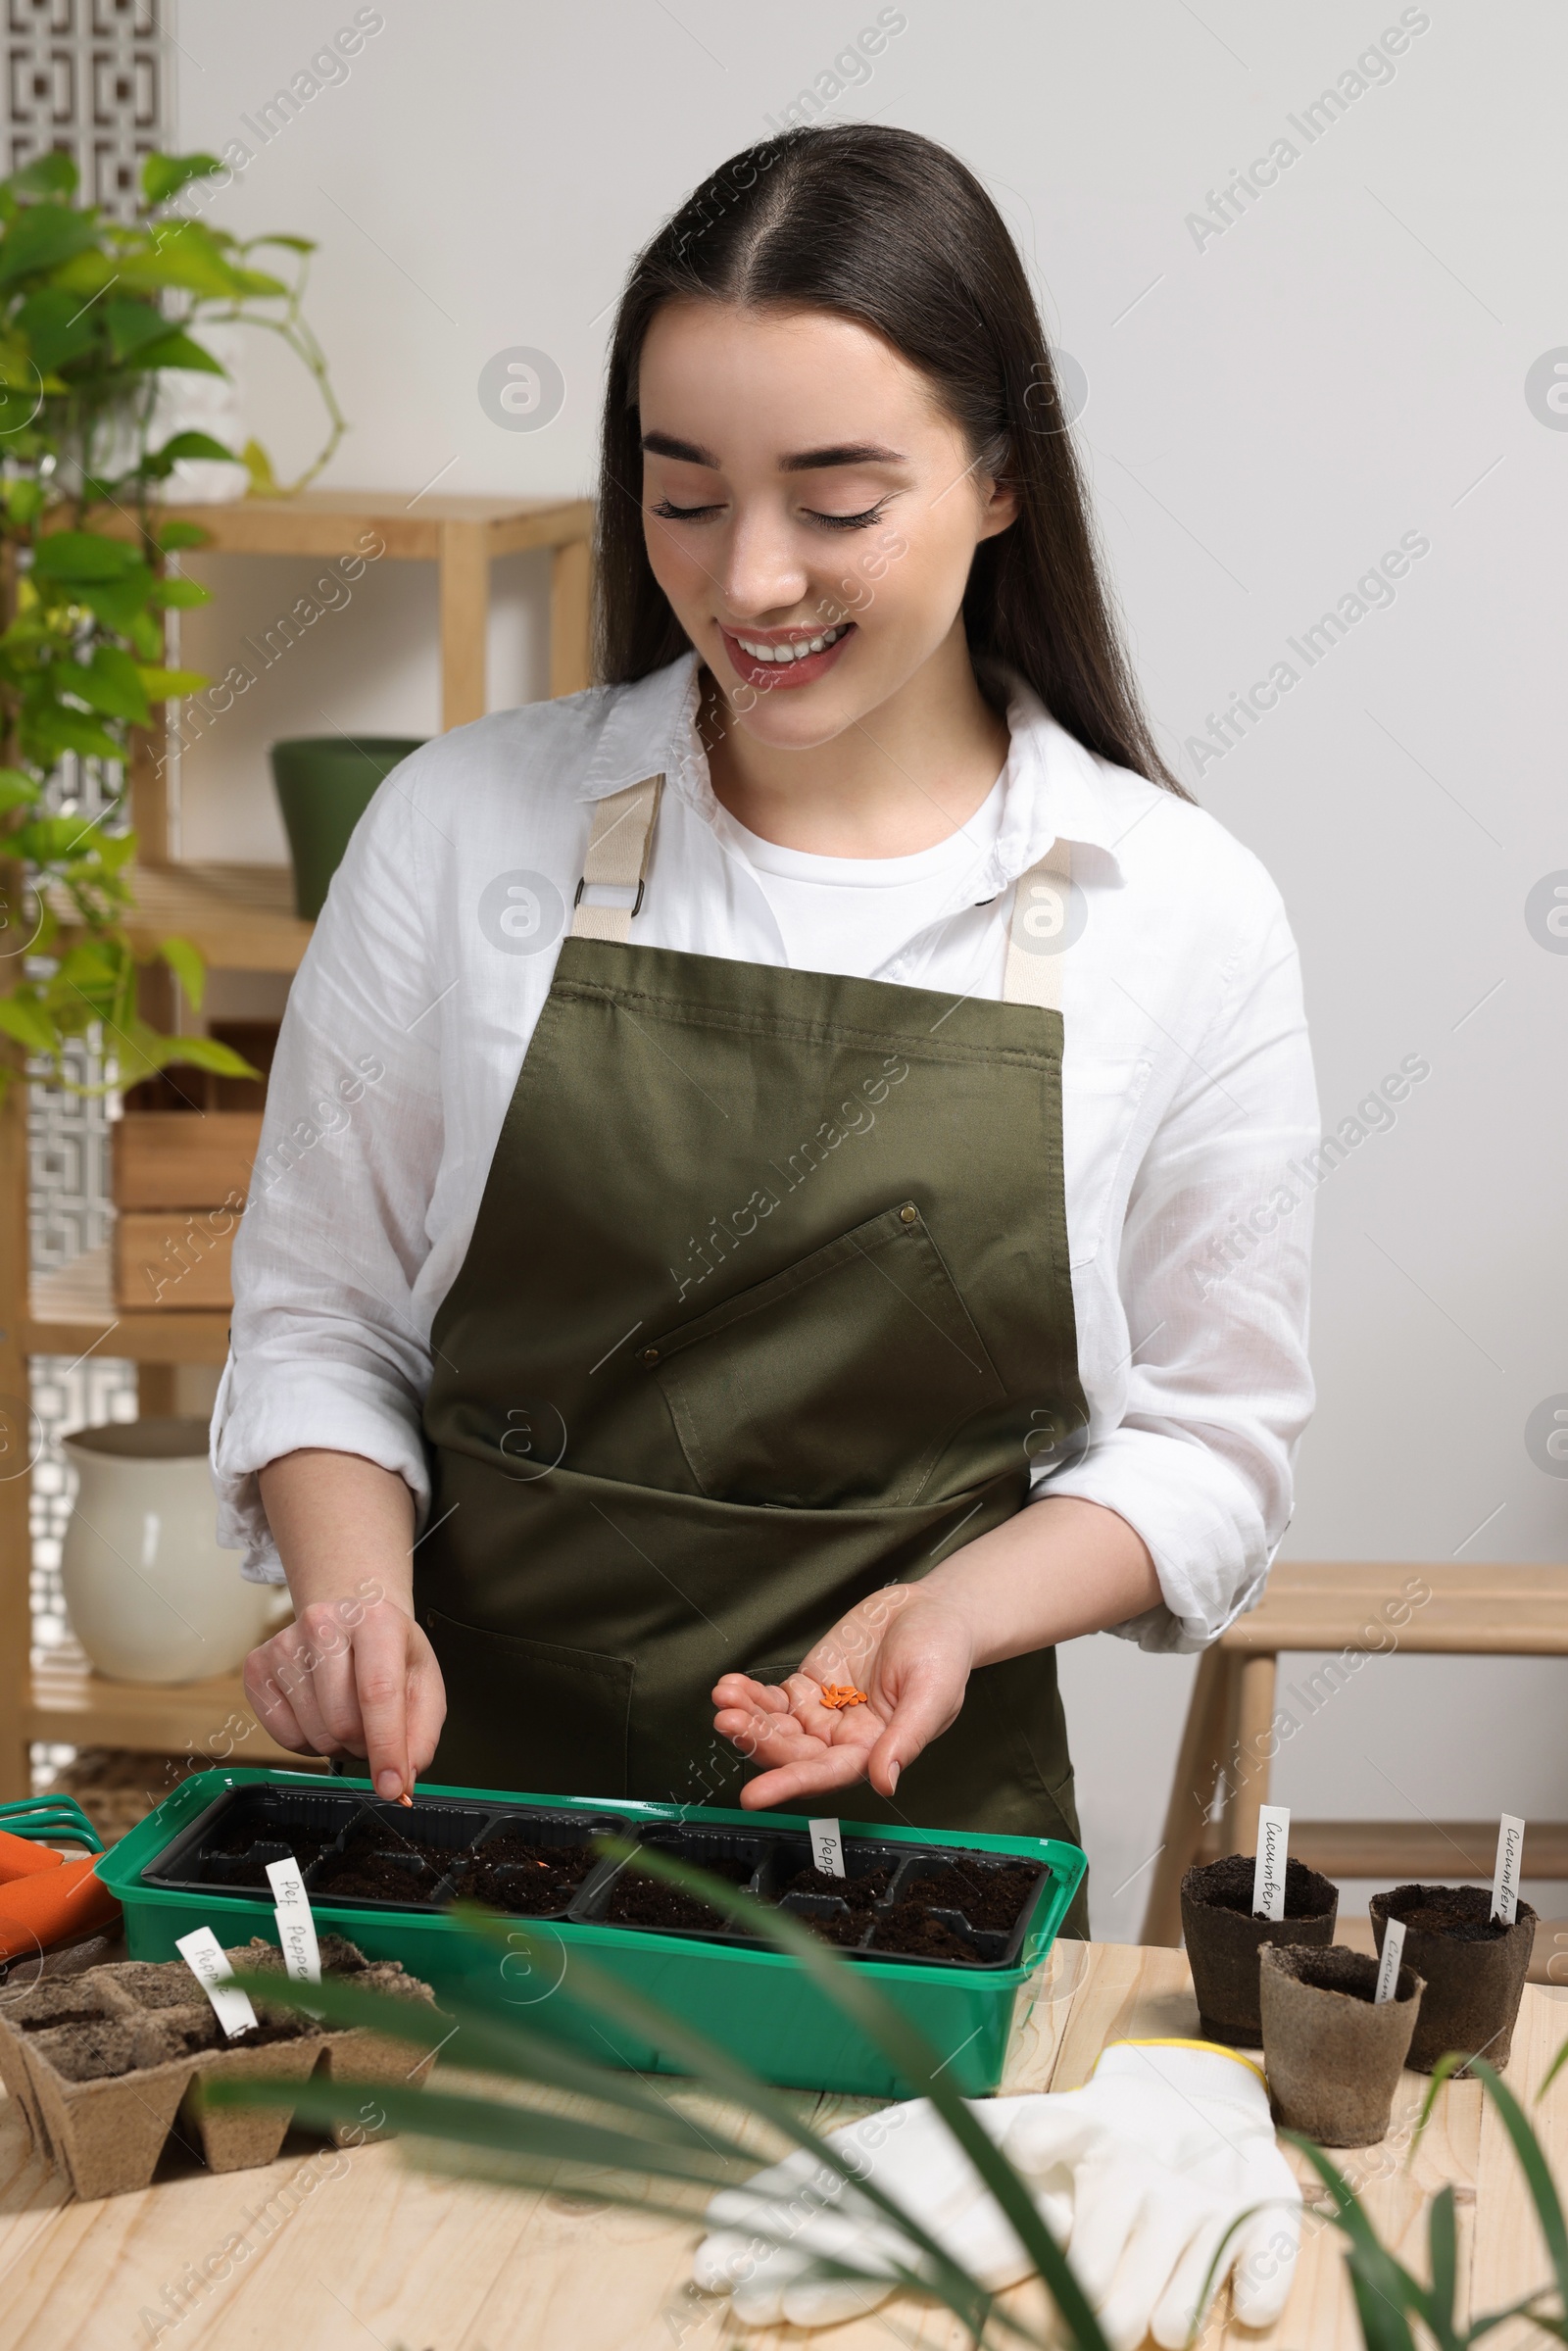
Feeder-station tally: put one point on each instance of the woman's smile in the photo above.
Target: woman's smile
(771, 660)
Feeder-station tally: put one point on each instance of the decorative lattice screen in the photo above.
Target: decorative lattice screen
(88, 77)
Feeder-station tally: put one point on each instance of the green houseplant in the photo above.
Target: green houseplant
(95, 313)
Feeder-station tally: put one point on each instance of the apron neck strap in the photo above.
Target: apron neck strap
(619, 844)
(1037, 932)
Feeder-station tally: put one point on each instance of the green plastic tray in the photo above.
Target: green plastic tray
(760, 2005)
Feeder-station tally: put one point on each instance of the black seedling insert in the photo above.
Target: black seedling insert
(918, 1905)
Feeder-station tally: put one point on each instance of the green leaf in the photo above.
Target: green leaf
(146, 635)
(163, 175)
(258, 285)
(23, 1020)
(160, 464)
(132, 324)
(176, 351)
(171, 537)
(55, 840)
(1552, 2071)
(59, 326)
(121, 604)
(196, 444)
(51, 174)
(87, 273)
(97, 968)
(178, 595)
(41, 237)
(1538, 2174)
(111, 683)
(294, 244)
(1442, 2244)
(182, 253)
(18, 791)
(259, 466)
(24, 499)
(162, 685)
(187, 966)
(203, 1053)
(115, 849)
(60, 729)
(73, 557)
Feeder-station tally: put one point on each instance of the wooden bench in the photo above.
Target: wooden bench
(1346, 1612)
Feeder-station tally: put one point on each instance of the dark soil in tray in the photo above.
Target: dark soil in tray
(844, 1928)
(648, 1902)
(512, 1850)
(860, 1893)
(1228, 1885)
(909, 1927)
(378, 1836)
(1462, 1913)
(63, 2015)
(373, 1878)
(991, 1899)
(239, 1839)
(510, 1874)
(241, 1869)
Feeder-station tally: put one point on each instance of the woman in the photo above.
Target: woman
(647, 1339)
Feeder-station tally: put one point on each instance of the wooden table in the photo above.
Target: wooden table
(361, 2248)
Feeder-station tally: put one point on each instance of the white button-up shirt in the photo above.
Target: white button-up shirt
(1187, 1091)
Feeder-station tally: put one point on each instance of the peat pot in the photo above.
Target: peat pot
(1223, 1938)
(149, 1596)
(1333, 2054)
(1474, 1968)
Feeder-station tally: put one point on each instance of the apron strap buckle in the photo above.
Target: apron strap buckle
(619, 844)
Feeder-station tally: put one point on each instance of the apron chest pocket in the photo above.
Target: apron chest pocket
(838, 1383)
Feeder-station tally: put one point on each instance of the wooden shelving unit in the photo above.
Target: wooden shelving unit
(241, 919)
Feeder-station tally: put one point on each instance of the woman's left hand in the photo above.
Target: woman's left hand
(909, 1650)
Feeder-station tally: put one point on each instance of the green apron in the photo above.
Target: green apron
(767, 1305)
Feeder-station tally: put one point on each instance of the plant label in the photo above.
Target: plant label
(1388, 1965)
(1505, 1877)
(203, 1954)
(296, 1928)
(1268, 1871)
(827, 1847)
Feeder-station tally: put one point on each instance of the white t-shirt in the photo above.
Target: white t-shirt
(853, 914)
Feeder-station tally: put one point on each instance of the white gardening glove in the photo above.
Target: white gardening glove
(765, 2237)
(1168, 2146)
(1141, 2172)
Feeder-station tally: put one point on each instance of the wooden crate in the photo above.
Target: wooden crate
(174, 1258)
(183, 1152)
(183, 1159)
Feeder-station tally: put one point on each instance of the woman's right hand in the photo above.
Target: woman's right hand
(353, 1676)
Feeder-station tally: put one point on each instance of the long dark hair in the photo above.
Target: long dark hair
(888, 229)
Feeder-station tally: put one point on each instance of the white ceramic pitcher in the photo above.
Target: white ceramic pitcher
(149, 1596)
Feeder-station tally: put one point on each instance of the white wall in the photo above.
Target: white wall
(1267, 413)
